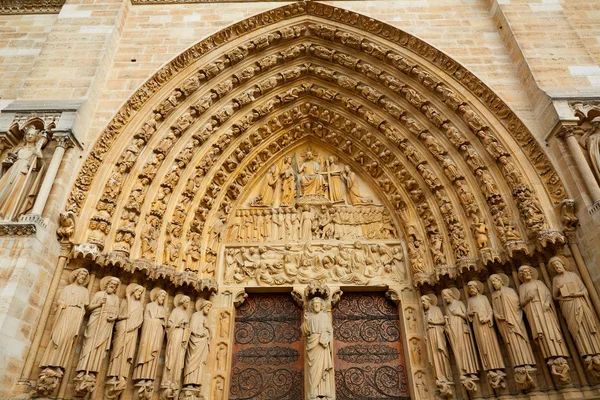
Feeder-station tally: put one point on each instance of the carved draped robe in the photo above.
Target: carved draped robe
(311, 181)
(72, 302)
(319, 333)
(437, 343)
(577, 311)
(98, 333)
(178, 334)
(151, 340)
(20, 183)
(461, 338)
(542, 319)
(126, 333)
(267, 191)
(354, 196)
(509, 319)
(288, 186)
(482, 317)
(197, 351)
(335, 183)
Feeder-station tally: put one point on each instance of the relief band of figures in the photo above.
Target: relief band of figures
(475, 330)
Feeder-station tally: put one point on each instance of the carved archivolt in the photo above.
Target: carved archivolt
(463, 180)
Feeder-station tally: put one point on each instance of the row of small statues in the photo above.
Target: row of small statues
(187, 345)
(309, 222)
(470, 329)
(355, 264)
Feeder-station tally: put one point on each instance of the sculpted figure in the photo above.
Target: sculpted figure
(269, 184)
(98, 333)
(318, 330)
(336, 189)
(20, 183)
(288, 182)
(509, 320)
(151, 340)
(575, 306)
(481, 315)
(311, 181)
(461, 338)
(178, 334)
(199, 344)
(536, 300)
(438, 350)
(354, 196)
(69, 315)
(128, 323)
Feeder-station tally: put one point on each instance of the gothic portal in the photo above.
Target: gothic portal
(310, 204)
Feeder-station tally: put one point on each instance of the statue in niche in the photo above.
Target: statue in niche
(354, 196)
(71, 305)
(124, 344)
(461, 339)
(267, 190)
(178, 334)
(590, 141)
(21, 175)
(151, 341)
(199, 345)
(481, 315)
(318, 329)
(438, 350)
(509, 320)
(98, 334)
(572, 296)
(536, 300)
(312, 182)
(288, 182)
(334, 173)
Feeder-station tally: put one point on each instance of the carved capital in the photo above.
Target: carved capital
(566, 131)
(64, 140)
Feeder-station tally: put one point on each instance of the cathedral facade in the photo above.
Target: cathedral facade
(212, 200)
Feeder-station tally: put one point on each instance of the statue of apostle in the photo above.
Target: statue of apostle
(311, 180)
(124, 344)
(178, 334)
(151, 340)
(336, 188)
(438, 350)
(72, 302)
(288, 182)
(481, 315)
(199, 344)
(572, 296)
(509, 319)
(536, 300)
(461, 338)
(98, 333)
(318, 330)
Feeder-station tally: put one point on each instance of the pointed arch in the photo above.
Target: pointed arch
(442, 149)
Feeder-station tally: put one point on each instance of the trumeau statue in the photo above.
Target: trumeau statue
(199, 345)
(575, 306)
(124, 343)
(104, 309)
(21, 175)
(536, 300)
(71, 304)
(151, 340)
(438, 349)
(509, 320)
(178, 333)
(481, 315)
(318, 330)
(461, 338)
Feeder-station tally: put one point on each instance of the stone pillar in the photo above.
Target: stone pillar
(62, 143)
(567, 133)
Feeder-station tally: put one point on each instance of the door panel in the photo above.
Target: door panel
(268, 348)
(369, 356)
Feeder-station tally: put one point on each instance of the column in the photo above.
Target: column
(568, 134)
(62, 143)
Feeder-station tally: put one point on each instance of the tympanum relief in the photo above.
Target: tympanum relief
(311, 217)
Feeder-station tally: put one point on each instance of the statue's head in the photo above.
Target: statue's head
(525, 273)
(474, 288)
(496, 282)
(558, 264)
(317, 304)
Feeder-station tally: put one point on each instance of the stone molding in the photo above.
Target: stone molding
(31, 6)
